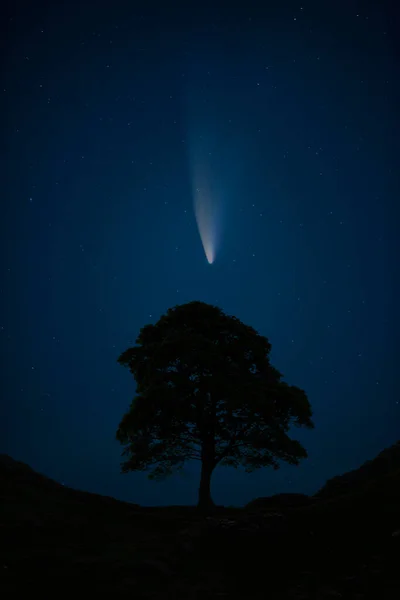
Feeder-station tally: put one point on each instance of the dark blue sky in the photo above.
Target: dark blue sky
(103, 107)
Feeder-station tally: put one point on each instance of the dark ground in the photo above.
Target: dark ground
(342, 543)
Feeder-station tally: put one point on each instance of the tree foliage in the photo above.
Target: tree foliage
(206, 391)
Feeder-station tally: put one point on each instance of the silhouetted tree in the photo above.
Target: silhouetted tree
(207, 391)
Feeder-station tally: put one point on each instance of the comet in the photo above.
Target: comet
(207, 207)
(206, 187)
(205, 152)
(206, 222)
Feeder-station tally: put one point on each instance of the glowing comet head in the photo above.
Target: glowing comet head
(206, 222)
(209, 256)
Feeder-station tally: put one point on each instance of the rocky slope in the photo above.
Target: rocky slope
(341, 543)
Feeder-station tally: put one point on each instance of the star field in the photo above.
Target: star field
(289, 113)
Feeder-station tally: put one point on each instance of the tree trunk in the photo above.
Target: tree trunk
(207, 427)
(205, 501)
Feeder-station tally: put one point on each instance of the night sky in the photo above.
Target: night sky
(112, 113)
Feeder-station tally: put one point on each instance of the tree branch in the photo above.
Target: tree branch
(236, 438)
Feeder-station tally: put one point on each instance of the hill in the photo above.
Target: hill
(385, 465)
(341, 543)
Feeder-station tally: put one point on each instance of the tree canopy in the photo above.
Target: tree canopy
(206, 391)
